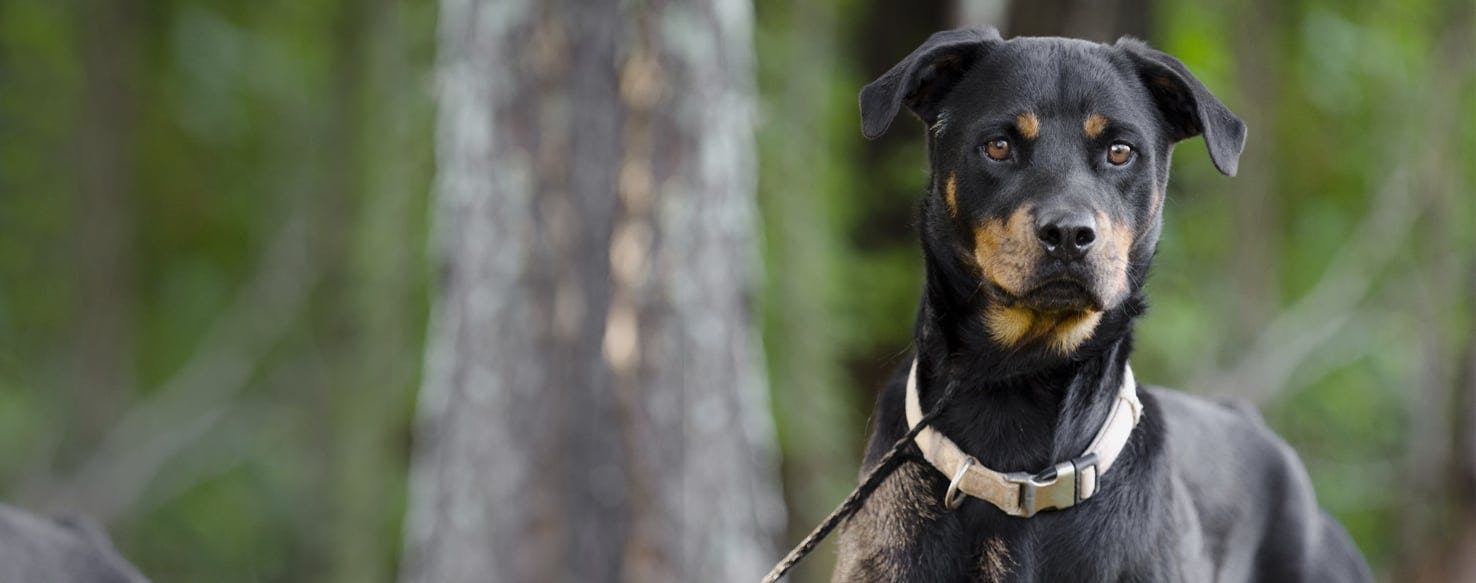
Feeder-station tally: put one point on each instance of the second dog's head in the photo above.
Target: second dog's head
(1049, 160)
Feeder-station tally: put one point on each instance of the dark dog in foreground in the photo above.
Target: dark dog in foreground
(1049, 159)
(38, 549)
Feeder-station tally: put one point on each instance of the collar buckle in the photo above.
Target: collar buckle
(1057, 488)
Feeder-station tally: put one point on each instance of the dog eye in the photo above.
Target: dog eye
(998, 149)
(1119, 153)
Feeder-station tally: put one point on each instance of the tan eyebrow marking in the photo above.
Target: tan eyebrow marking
(1028, 125)
(1094, 125)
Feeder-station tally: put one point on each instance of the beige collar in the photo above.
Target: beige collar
(1019, 493)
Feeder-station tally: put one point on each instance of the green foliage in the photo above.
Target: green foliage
(298, 126)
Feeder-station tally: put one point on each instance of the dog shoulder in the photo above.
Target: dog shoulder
(878, 542)
(67, 549)
(1224, 447)
(1250, 484)
(902, 532)
(1219, 426)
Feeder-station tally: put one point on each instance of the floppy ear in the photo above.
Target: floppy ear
(1188, 106)
(922, 79)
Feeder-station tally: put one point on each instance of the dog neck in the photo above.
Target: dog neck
(1017, 409)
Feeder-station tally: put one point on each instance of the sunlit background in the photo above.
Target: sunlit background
(216, 276)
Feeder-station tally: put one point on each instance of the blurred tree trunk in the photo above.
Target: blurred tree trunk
(369, 296)
(1255, 42)
(1460, 551)
(103, 328)
(593, 406)
(1098, 20)
(334, 326)
(1463, 548)
(1438, 534)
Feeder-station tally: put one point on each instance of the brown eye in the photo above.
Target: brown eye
(997, 149)
(1119, 153)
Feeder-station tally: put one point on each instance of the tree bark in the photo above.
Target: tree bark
(1255, 258)
(103, 329)
(1098, 20)
(593, 406)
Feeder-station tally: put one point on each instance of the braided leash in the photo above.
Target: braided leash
(888, 464)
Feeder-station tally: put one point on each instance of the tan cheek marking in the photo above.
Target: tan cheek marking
(1157, 203)
(1122, 237)
(1110, 262)
(1007, 252)
(994, 561)
(1028, 125)
(950, 194)
(1094, 125)
(987, 240)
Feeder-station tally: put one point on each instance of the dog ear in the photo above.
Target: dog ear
(1188, 106)
(922, 79)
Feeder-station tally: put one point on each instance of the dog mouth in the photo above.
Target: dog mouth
(1060, 296)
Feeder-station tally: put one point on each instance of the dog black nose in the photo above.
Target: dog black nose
(1066, 235)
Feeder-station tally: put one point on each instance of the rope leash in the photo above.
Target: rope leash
(888, 464)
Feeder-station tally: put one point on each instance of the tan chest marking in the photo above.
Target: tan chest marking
(1063, 333)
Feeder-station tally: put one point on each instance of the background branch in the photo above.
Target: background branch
(180, 414)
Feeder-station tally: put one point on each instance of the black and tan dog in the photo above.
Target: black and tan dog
(1049, 158)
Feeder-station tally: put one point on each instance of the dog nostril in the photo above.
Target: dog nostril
(1050, 235)
(1085, 237)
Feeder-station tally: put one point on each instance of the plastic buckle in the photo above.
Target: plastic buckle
(1057, 488)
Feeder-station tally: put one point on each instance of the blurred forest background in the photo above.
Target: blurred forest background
(218, 265)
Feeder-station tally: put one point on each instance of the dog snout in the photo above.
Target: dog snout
(1066, 234)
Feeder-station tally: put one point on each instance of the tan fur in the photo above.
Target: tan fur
(1028, 125)
(1112, 266)
(1009, 325)
(1007, 252)
(1071, 330)
(950, 194)
(1062, 332)
(1094, 125)
(994, 561)
(887, 524)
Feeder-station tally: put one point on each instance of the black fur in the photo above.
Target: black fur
(1203, 491)
(58, 550)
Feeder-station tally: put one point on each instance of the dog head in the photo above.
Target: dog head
(1049, 160)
